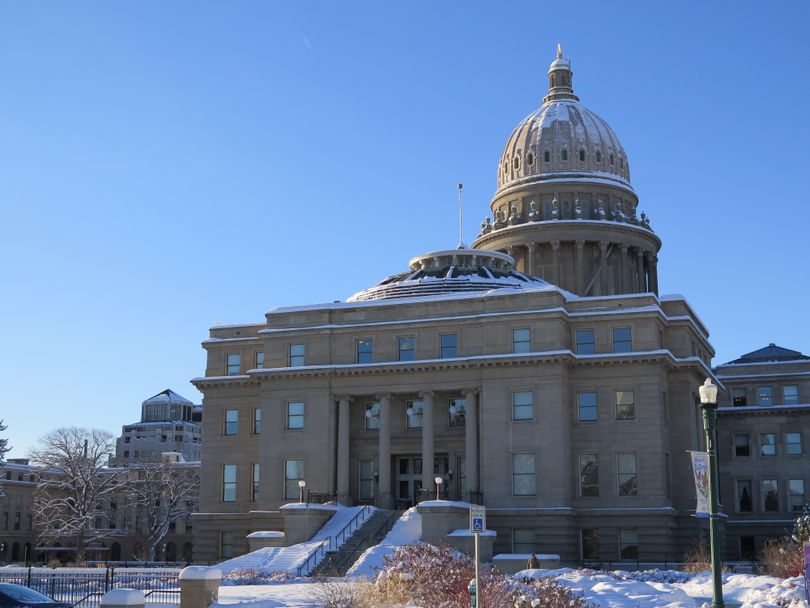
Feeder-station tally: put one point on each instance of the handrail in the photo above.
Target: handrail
(312, 555)
(364, 512)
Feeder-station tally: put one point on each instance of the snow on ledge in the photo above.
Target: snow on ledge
(266, 534)
(445, 503)
(308, 505)
(200, 573)
(526, 556)
(466, 532)
(123, 597)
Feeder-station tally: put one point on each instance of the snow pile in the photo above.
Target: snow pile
(407, 530)
(751, 591)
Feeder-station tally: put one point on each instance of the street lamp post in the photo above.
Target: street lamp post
(708, 405)
(438, 481)
(301, 484)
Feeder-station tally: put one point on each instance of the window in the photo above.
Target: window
(366, 480)
(259, 359)
(295, 415)
(582, 155)
(767, 444)
(590, 543)
(521, 340)
(228, 483)
(293, 473)
(523, 541)
(622, 342)
(598, 156)
(586, 404)
(739, 397)
(588, 475)
(522, 406)
(796, 495)
(790, 394)
(254, 488)
(295, 355)
(523, 479)
(741, 445)
(448, 343)
(226, 545)
(626, 465)
(365, 351)
(770, 494)
(516, 162)
(457, 412)
(407, 348)
(628, 544)
(744, 496)
(372, 416)
(257, 421)
(793, 444)
(625, 406)
(530, 159)
(233, 364)
(764, 395)
(546, 156)
(585, 343)
(747, 548)
(564, 155)
(231, 422)
(413, 414)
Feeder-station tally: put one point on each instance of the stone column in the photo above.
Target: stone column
(555, 261)
(529, 266)
(579, 278)
(384, 466)
(603, 268)
(427, 439)
(642, 282)
(654, 273)
(647, 272)
(624, 274)
(471, 441)
(343, 451)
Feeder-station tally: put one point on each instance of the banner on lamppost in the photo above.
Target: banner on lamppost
(700, 467)
(807, 570)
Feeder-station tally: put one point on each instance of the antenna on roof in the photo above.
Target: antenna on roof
(461, 244)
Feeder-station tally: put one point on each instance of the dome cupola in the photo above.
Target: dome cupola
(560, 79)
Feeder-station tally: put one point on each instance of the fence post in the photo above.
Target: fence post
(107, 579)
(28, 581)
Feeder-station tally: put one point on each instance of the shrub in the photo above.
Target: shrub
(698, 558)
(782, 557)
(252, 576)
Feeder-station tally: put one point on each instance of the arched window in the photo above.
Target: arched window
(621, 163)
(612, 160)
(553, 81)
(582, 154)
(516, 162)
(564, 155)
(546, 156)
(598, 156)
(530, 158)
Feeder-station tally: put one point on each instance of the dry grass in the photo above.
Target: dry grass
(782, 557)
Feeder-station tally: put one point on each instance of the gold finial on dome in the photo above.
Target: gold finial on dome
(559, 51)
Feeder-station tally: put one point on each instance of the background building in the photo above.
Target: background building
(17, 536)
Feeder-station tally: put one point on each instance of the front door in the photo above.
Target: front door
(409, 480)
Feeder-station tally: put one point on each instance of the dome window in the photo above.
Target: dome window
(516, 162)
(612, 160)
(530, 158)
(598, 156)
(621, 163)
(564, 155)
(582, 155)
(546, 156)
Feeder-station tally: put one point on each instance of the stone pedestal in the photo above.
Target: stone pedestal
(269, 538)
(120, 598)
(447, 522)
(463, 540)
(199, 586)
(302, 521)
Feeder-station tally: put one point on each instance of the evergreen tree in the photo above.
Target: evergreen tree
(4, 447)
(801, 529)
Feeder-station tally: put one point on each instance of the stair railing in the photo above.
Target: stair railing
(313, 557)
(347, 530)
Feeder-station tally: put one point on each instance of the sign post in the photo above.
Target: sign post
(807, 570)
(478, 524)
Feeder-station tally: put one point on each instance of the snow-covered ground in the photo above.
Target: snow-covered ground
(406, 530)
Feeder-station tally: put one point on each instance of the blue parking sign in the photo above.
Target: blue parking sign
(478, 519)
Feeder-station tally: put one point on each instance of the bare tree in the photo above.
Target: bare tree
(162, 493)
(4, 447)
(74, 486)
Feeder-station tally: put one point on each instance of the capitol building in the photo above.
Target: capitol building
(539, 372)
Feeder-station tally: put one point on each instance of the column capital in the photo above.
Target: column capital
(580, 243)
(624, 247)
(648, 255)
(603, 245)
(344, 398)
(555, 244)
(531, 246)
(427, 394)
(381, 396)
(468, 391)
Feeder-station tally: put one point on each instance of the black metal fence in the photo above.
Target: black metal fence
(84, 587)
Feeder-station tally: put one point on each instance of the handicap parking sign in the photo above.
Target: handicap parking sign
(478, 519)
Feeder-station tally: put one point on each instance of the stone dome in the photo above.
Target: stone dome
(562, 140)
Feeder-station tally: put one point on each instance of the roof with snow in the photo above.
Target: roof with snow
(168, 396)
(772, 352)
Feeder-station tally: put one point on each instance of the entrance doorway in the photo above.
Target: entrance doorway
(408, 477)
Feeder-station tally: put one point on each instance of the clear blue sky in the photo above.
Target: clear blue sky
(168, 165)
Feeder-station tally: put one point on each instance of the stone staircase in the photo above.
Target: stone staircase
(371, 533)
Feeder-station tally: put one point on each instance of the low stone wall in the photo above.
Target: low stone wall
(510, 563)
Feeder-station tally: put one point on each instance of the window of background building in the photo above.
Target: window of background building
(790, 394)
(590, 543)
(257, 421)
(767, 444)
(793, 443)
(741, 445)
(295, 355)
(586, 404)
(747, 548)
(295, 415)
(628, 544)
(457, 412)
(739, 397)
(448, 345)
(231, 422)
(770, 494)
(523, 476)
(585, 342)
(744, 496)
(293, 473)
(522, 405)
(622, 340)
(366, 480)
(796, 495)
(521, 340)
(626, 466)
(414, 419)
(625, 406)
(523, 541)
(407, 348)
(365, 351)
(260, 359)
(233, 363)
(228, 483)
(372, 416)
(588, 475)
(254, 489)
(764, 395)
(225, 545)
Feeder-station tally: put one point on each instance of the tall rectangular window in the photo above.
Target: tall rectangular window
(793, 444)
(739, 397)
(585, 342)
(522, 405)
(625, 405)
(622, 341)
(521, 340)
(628, 544)
(295, 415)
(231, 422)
(366, 480)
(741, 445)
(523, 541)
(413, 413)
(767, 444)
(372, 416)
(457, 412)
(790, 394)
(764, 395)
(523, 476)
(770, 494)
(744, 496)
(226, 545)
(228, 483)
(590, 543)
(796, 490)
(407, 348)
(293, 473)
(626, 466)
(254, 488)
(233, 363)
(588, 475)
(586, 404)
(365, 351)
(260, 359)
(257, 421)
(295, 355)
(448, 345)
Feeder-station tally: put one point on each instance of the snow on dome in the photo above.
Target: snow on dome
(168, 396)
